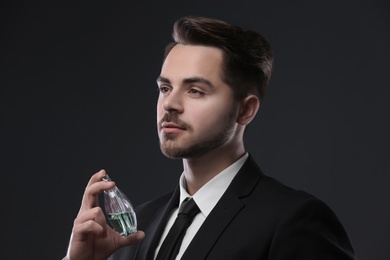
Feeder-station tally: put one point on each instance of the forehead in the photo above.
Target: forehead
(193, 60)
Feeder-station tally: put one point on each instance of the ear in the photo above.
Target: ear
(248, 109)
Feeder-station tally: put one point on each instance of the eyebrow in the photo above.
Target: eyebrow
(188, 81)
(162, 79)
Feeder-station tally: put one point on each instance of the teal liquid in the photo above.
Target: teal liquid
(125, 223)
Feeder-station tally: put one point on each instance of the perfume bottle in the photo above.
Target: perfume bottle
(119, 210)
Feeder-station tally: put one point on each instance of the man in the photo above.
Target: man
(211, 84)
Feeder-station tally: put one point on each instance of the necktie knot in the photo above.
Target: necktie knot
(189, 208)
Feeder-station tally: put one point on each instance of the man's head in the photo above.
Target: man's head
(247, 56)
(210, 86)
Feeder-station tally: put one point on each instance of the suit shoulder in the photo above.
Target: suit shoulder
(278, 189)
(308, 221)
(251, 179)
(285, 198)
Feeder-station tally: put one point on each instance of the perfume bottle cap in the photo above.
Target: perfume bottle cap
(106, 178)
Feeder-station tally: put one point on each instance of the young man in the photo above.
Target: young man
(211, 84)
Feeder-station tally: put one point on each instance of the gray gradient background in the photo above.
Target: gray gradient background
(78, 93)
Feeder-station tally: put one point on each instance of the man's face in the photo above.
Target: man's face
(196, 112)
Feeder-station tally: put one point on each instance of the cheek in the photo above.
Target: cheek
(160, 110)
(209, 118)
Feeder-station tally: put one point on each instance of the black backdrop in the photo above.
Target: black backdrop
(78, 93)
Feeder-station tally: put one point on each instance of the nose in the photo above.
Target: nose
(172, 102)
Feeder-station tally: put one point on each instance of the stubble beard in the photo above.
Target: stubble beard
(197, 149)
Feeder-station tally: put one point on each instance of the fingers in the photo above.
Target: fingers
(132, 239)
(92, 238)
(91, 222)
(81, 232)
(94, 188)
(97, 177)
(136, 237)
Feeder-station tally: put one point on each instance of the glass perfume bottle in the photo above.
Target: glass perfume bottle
(119, 210)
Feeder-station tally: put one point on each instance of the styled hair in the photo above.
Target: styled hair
(247, 56)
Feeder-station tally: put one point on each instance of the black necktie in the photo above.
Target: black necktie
(171, 245)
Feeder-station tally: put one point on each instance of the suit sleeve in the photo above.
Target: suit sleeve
(310, 230)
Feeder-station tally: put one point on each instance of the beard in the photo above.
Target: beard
(197, 148)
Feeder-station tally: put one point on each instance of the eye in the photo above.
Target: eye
(196, 92)
(163, 89)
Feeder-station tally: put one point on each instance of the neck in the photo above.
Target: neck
(198, 171)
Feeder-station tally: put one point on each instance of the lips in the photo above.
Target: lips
(169, 127)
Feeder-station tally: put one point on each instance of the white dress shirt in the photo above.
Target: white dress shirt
(206, 198)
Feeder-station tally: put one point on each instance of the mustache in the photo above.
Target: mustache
(173, 118)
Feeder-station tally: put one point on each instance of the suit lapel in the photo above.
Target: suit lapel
(155, 229)
(224, 212)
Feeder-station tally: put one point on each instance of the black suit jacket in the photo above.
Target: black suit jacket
(256, 218)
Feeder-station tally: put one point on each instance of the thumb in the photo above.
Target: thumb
(132, 239)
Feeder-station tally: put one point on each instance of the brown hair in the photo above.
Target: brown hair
(248, 57)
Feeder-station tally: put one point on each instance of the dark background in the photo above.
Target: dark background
(78, 93)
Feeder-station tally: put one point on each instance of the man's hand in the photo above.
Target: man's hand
(91, 237)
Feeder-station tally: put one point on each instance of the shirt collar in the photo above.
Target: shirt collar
(208, 195)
